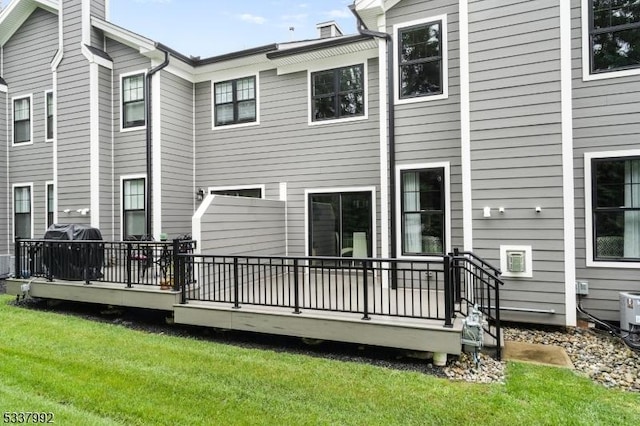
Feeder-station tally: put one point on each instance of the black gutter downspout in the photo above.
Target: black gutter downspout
(362, 29)
(149, 192)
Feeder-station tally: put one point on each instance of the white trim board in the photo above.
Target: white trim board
(261, 187)
(465, 128)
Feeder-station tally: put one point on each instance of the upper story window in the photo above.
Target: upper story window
(133, 102)
(614, 35)
(49, 115)
(338, 93)
(615, 205)
(235, 101)
(22, 120)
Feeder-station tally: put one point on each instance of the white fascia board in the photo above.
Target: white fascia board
(4, 88)
(329, 62)
(123, 36)
(231, 69)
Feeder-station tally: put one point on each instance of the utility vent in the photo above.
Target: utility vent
(516, 261)
(328, 29)
(6, 265)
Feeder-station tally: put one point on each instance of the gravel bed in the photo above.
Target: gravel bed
(595, 354)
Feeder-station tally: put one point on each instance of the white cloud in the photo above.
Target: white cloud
(295, 18)
(247, 17)
(338, 13)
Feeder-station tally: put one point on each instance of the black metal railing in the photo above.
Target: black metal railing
(127, 262)
(389, 287)
(477, 283)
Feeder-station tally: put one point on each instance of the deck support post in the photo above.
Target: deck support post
(365, 290)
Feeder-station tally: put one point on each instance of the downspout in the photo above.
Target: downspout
(362, 29)
(149, 191)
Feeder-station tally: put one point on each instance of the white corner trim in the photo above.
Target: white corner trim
(239, 125)
(94, 143)
(57, 58)
(13, 207)
(54, 155)
(121, 196)
(156, 154)
(465, 128)
(196, 221)
(445, 61)
(365, 81)
(383, 96)
(12, 124)
(447, 207)
(568, 191)
(588, 210)
(374, 226)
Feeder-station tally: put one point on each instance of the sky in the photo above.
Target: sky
(212, 27)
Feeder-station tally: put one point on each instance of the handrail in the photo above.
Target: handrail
(476, 257)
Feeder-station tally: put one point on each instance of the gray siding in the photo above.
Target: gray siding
(178, 192)
(30, 74)
(429, 131)
(243, 226)
(285, 148)
(129, 149)
(107, 185)
(606, 117)
(516, 145)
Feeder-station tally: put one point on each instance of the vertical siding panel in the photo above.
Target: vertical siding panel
(31, 74)
(516, 142)
(606, 117)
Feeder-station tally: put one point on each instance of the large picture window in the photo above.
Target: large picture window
(338, 93)
(616, 208)
(422, 211)
(133, 208)
(133, 103)
(22, 211)
(235, 101)
(22, 120)
(614, 34)
(421, 54)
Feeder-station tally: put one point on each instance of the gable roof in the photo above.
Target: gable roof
(14, 15)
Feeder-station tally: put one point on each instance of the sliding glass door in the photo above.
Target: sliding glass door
(340, 224)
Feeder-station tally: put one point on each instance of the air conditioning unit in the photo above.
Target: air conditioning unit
(630, 313)
(6, 265)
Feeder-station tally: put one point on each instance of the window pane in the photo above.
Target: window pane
(324, 108)
(22, 199)
(245, 89)
(224, 114)
(350, 78)
(23, 225)
(420, 43)
(352, 104)
(133, 88)
(247, 111)
(22, 131)
(224, 92)
(325, 225)
(248, 193)
(134, 194)
(420, 79)
(21, 109)
(134, 114)
(323, 83)
(134, 223)
(618, 49)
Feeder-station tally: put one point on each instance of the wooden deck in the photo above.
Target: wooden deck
(318, 316)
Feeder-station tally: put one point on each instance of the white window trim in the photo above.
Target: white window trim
(262, 189)
(46, 126)
(365, 81)
(445, 61)
(447, 207)
(13, 111)
(121, 197)
(374, 217)
(13, 207)
(586, 53)
(588, 211)
(46, 202)
(121, 103)
(238, 125)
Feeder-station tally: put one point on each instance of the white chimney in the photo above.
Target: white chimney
(328, 29)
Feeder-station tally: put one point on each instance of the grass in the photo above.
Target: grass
(94, 373)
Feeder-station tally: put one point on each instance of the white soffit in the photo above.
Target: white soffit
(370, 47)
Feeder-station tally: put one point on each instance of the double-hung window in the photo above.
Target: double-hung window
(421, 59)
(235, 101)
(614, 35)
(338, 93)
(133, 211)
(422, 203)
(615, 208)
(49, 111)
(22, 120)
(22, 211)
(133, 102)
(50, 204)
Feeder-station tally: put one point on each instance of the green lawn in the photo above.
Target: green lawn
(89, 373)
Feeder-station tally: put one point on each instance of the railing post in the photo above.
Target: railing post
(18, 254)
(498, 326)
(48, 260)
(296, 290)
(85, 253)
(365, 290)
(236, 292)
(129, 253)
(176, 270)
(448, 302)
(457, 281)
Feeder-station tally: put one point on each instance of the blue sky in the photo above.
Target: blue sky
(212, 27)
